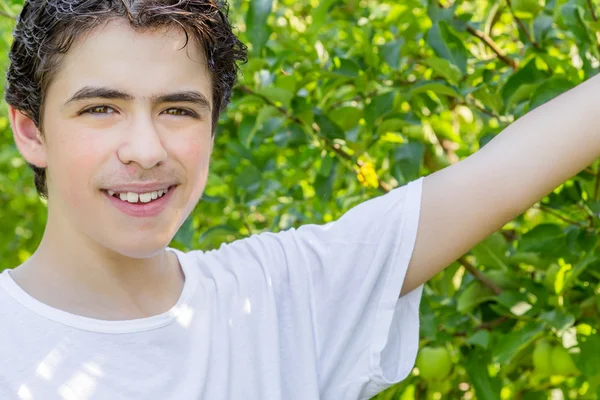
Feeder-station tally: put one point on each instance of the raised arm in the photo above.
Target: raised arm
(466, 202)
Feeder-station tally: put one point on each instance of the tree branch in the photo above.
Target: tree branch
(480, 108)
(483, 326)
(591, 5)
(492, 45)
(479, 275)
(522, 25)
(282, 110)
(489, 42)
(557, 215)
(383, 186)
(7, 15)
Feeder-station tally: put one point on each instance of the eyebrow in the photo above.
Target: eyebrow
(94, 92)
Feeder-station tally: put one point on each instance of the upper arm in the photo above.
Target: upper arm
(460, 206)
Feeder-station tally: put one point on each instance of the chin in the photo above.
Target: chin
(142, 247)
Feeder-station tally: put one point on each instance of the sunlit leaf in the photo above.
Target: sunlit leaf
(258, 30)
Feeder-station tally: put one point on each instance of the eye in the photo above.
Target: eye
(98, 110)
(180, 112)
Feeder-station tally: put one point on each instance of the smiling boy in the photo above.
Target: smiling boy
(114, 105)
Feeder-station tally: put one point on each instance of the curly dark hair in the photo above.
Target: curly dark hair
(46, 29)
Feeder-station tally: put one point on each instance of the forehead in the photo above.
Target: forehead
(139, 62)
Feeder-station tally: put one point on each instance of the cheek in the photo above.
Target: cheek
(195, 155)
(73, 161)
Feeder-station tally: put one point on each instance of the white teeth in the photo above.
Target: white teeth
(145, 197)
(132, 197)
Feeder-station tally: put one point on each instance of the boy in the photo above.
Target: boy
(114, 105)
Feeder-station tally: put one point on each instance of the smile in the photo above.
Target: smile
(133, 197)
(140, 204)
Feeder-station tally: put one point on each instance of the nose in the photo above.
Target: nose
(142, 144)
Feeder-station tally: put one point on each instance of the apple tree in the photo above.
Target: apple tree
(343, 100)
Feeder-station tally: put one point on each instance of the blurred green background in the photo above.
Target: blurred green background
(342, 101)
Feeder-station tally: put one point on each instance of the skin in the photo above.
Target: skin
(94, 260)
(107, 264)
(465, 203)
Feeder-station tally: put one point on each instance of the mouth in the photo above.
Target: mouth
(135, 204)
(139, 198)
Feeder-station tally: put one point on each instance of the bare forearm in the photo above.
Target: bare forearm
(545, 147)
(466, 202)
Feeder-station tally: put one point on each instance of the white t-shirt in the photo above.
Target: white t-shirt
(308, 313)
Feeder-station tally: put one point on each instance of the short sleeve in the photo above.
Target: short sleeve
(336, 291)
(367, 336)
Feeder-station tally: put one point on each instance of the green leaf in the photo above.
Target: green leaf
(573, 16)
(513, 301)
(522, 84)
(256, 21)
(391, 52)
(439, 87)
(393, 124)
(185, 234)
(378, 107)
(437, 13)
(246, 130)
(491, 100)
(480, 338)
(444, 68)
(542, 27)
(346, 67)
(325, 181)
(486, 387)
(526, 258)
(548, 90)
(320, 14)
(517, 340)
(279, 96)
(557, 319)
(328, 128)
(264, 114)
(548, 239)
(587, 359)
(526, 9)
(473, 295)
(249, 179)
(587, 260)
(447, 45)
(408, 159)
(492, 252)
(218, 232)
(292, 134)
(346, 117)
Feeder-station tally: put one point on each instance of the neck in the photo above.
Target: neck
(69, 271)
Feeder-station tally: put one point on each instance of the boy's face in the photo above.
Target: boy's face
(141, 126)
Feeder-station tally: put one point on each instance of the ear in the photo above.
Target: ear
(28, 138)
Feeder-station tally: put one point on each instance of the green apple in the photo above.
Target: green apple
(434, 363)
(542, 356)
(441, 387)
(562, 362)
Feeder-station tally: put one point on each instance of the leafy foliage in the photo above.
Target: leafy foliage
(344, 100)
